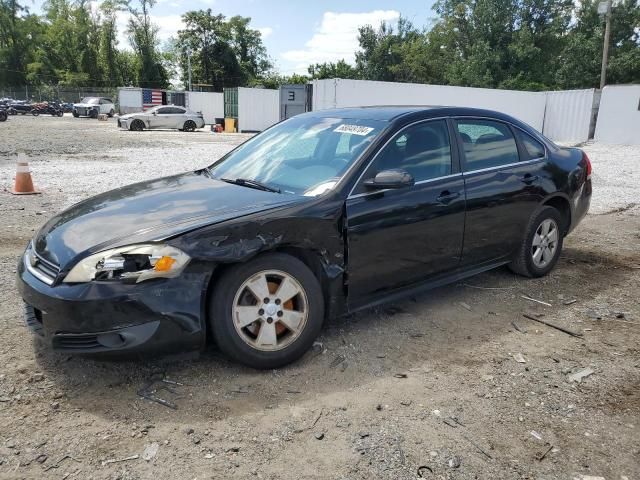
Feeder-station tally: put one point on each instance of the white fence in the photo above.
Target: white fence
(209, 103)
(619, 115)
(336, 93)
(568, 114)
(258, 108)
(564, 116)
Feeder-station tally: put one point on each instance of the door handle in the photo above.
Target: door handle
(446, 196)
(529, 179)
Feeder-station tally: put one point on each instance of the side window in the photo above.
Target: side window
(487, 144)
(164, 111)
(533, 148)
(423, 150)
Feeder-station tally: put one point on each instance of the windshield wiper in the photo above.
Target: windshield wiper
(247, 182)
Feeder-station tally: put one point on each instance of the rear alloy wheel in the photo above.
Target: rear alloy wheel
(189, 126)
(267, 313)
(137, 126)
(542, 244)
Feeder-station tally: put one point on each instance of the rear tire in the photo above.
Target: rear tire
(3, 116)
(303, 312)
(189, 126)
(541, 245)
(35, 112)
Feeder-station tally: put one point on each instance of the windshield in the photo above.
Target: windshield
(90, 100)
(304, 155)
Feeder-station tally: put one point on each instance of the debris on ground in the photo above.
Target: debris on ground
(578, 376)
(562, 329)
(454, 462)
(466, 306)
(536, 300)
(119, 460)
(150, 451)
(518, 357)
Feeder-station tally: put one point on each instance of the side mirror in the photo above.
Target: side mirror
(395, 178)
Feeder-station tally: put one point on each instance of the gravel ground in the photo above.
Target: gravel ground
(432, 387)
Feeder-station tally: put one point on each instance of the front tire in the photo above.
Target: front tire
(137, 126)
(35, 112)
(542, 244)
(266, 313)
(111, 113)
(3, 116)
(75, 114)
(93, 114)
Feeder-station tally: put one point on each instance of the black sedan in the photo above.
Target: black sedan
(326, 213)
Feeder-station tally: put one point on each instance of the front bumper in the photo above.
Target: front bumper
(124, 123)
(156, 316)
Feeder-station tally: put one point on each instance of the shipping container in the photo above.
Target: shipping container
(619, 115)
(254, 109)
(210, 104)
(336, 93)
(129, 100)
(294, 100)
(568, 115)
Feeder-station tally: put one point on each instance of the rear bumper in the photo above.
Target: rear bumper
(166, 315)
(580, 204)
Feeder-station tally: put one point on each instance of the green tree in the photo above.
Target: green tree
(143, 36)
(340, 69)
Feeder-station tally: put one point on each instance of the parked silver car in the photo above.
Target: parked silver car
(164, 116)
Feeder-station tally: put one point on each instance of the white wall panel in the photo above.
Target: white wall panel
(258, 108)
(211, 104)
(336, 93)
(568, 115)
(129, 100)
(619, 115)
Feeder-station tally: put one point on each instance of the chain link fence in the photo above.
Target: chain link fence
(44, 93)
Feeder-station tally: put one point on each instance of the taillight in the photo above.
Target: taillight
(586, 159)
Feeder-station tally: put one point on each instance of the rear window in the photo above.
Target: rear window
(533, 148)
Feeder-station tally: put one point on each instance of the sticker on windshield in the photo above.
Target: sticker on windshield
(354, 129)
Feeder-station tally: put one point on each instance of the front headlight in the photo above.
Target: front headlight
(134, 262)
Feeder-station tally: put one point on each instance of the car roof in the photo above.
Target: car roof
(390, 113)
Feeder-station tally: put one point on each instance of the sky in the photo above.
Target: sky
(296, 33)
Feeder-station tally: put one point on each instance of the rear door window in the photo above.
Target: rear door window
(532, 148)
(486, 144)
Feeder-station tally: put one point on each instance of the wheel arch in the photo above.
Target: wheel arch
(314, 260)
(562, 204)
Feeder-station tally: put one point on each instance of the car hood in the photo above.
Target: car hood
(148, 211)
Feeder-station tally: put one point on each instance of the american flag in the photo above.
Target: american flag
(151, 98)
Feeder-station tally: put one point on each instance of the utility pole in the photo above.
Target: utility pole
(606, 6)
(189, 65)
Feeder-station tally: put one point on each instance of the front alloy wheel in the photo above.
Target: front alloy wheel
(270, 310)
(266, 313)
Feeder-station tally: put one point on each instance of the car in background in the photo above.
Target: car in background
(94, 106)
(165, 116)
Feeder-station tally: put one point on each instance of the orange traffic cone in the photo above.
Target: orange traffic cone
(24, 184)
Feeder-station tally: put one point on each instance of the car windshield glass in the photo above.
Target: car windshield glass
(304, 155)
(90, 100)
